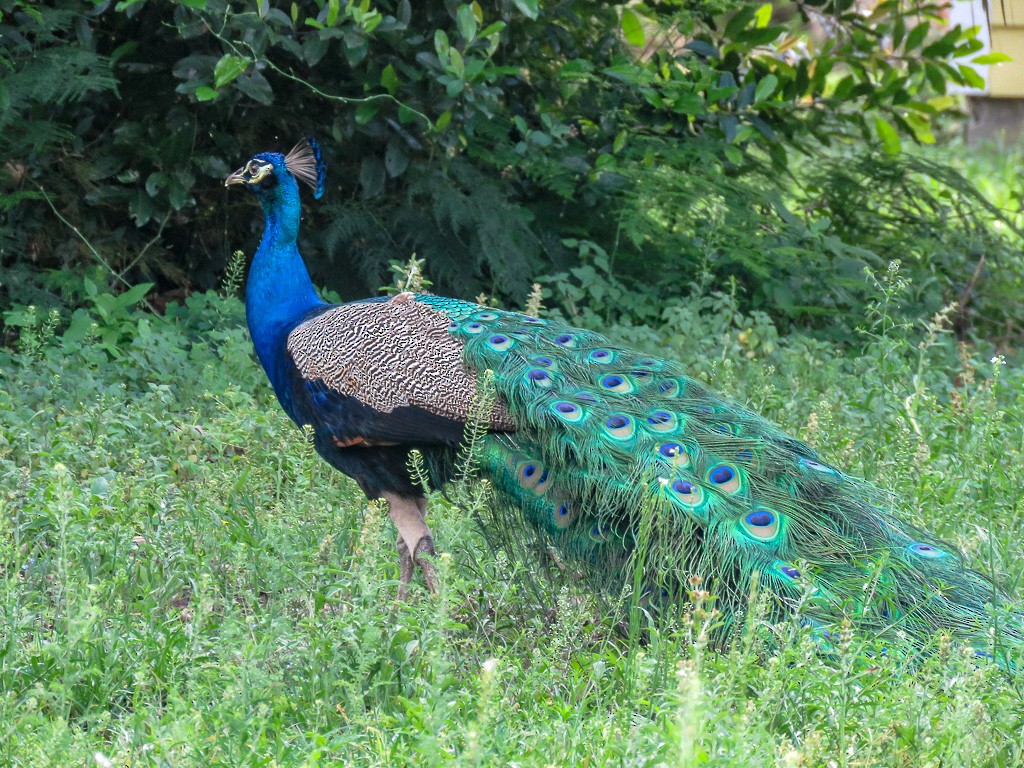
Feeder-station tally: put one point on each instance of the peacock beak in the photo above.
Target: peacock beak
(238, 177)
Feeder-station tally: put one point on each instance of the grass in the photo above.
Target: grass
(184, 583)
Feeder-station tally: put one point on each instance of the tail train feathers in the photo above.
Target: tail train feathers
(605, 434)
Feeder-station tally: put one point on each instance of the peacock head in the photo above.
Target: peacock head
(266, 172)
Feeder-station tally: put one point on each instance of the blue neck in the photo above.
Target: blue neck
(279, 292)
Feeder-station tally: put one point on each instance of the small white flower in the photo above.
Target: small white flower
(102, 760)
(998, 360)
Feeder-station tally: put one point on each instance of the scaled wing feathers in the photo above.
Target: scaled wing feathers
(413, 361)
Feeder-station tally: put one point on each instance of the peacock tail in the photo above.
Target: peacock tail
(606, 436)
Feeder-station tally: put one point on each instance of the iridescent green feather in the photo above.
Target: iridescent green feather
(606, 433)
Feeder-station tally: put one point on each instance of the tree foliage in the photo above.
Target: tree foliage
(490, 138)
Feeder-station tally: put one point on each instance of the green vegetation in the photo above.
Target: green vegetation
(183, 582)
(504, 142)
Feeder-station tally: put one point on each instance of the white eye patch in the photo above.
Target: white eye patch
(258, 172)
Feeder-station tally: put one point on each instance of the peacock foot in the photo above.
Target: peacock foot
(408, 516)
(407, 563)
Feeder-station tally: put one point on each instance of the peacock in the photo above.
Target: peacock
(629, 470)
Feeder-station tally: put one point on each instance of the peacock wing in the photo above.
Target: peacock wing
(384, 372)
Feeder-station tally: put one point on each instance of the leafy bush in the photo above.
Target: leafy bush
(799, 244)
(479, 136)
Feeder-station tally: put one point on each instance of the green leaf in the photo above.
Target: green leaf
(935, 76)
(371, 21)
(921, 128)
(372, 176)
(453, 86)
(133, 295)
(917, 36)
(761, 36)
(739, 21)
(766, 87)
(733, 154)
(395, 159)
(456, 65)
(443, 120)
(256, 87)
(991, 58)
(763, 128)
(441, 44)
(899, 32)
(703, 48)
(228, 68)
(575, 69)
(155, 182)
(632, 28)
(178, 196)
(355, 46)
(888, 136)
(745, 97)
(528, 8)
(942, 103)
(366, 111)
(81, 322)
(968, 46)
(944, 45)
(389, 79)
(763, 15)
(206, 93)
(466, 20)
(971, 77)
(407, 115)
(198, 5)
(729, 125)
(493, 29)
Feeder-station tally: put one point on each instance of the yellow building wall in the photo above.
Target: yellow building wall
(1006, 13)
(1006, 21)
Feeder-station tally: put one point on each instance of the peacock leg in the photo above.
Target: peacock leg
(426, 547)
(414, 540)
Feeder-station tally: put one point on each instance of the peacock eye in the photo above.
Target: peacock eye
(250, 168)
